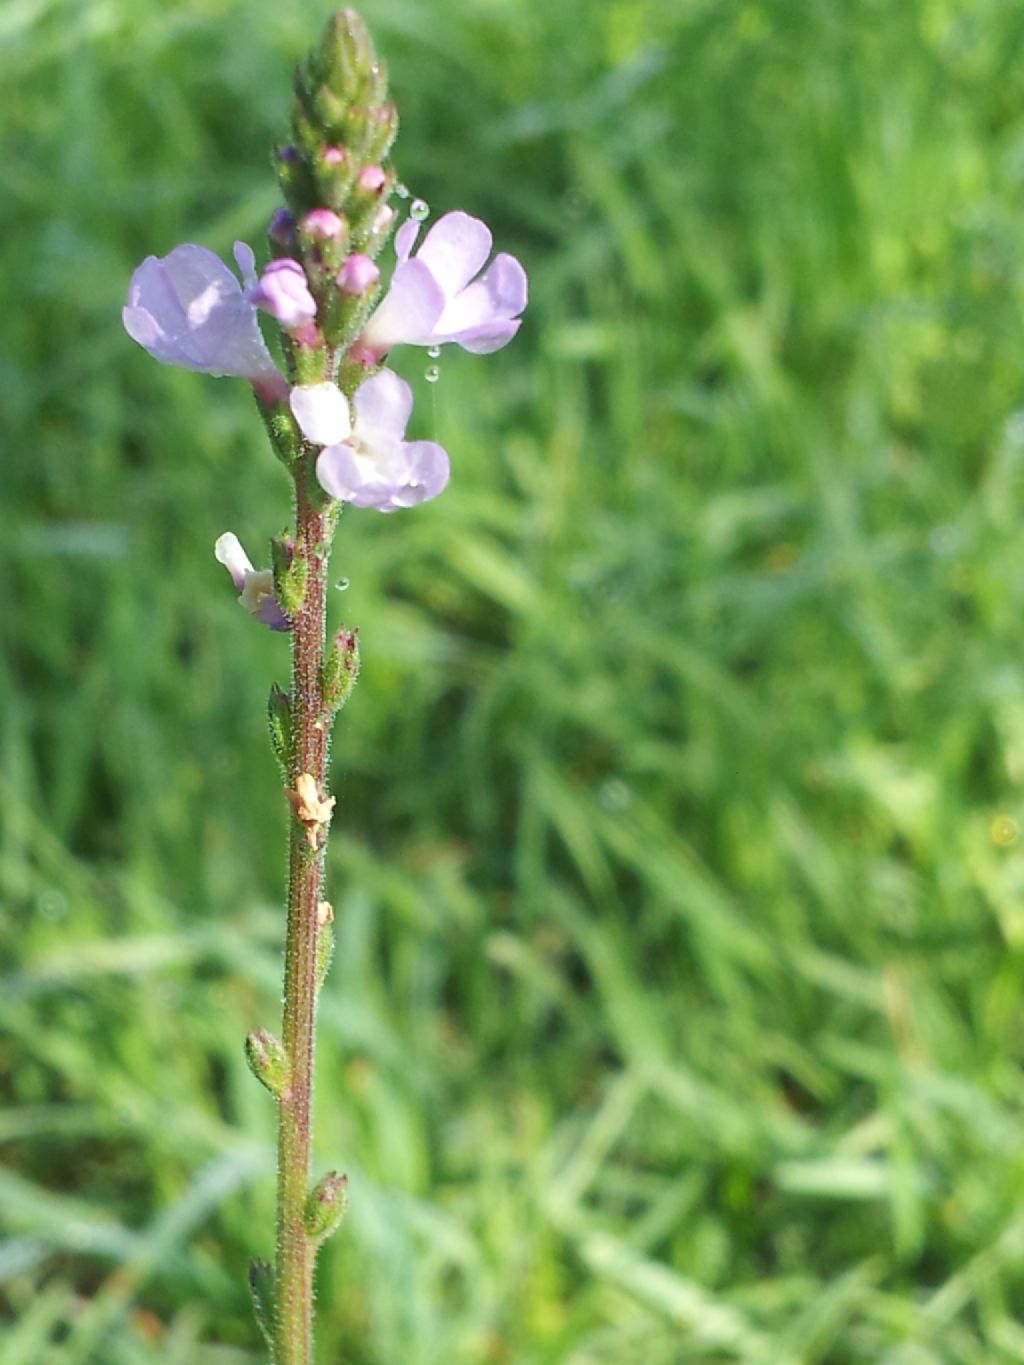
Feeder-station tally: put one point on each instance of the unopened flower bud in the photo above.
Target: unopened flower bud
(383, 131)
(283, 292)
(380, 226)
(372, 179)
(341, 668)
(281, 232)
(322, 225)
(268, 1061)
(358, 275)
(325, 1206)
(334, 156)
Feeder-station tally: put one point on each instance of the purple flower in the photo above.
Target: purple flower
(188, 309)
(282, 289)
(281, 230)
(255, 587)
(438, 295)
(366, 461)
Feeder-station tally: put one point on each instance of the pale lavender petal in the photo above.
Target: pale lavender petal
(228, 551)
(487, 338)
(271, 613)
(429, 471)
(500, 293)
(341, 472)
(405, 238)
(245, 259)
(188, 309)
(383, 407)
(408, 311)
(455, 249)
(155, 318)
(403, 475)
(322, 412)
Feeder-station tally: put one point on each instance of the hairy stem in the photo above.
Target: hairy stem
(296, 1251)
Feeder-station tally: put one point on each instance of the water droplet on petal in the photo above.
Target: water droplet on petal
(402, 190)
(342, 585)
(433, 374)
(419, 209)
(434, 352)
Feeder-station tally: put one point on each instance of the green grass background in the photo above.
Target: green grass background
(677, 1010)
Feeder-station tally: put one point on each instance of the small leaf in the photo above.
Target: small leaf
(291, 574)
(279, 722)
(324, 941)
(261, 1286)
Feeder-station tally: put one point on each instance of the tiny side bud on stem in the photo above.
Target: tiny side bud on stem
(325, 1206)
(268, 1061)
(341, 668)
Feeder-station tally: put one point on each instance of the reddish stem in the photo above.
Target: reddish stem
(296, 1251)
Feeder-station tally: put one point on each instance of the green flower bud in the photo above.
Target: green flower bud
(345, 57)
(342, 123)
(325, 1206)
(341, 668)
(268, 1061)
(279, 722)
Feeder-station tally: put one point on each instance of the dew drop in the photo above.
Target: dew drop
(434, 352)
(342, 585)
(614, 795)
(433, 374)
(52, 905)
(402, 190)
(419, 209)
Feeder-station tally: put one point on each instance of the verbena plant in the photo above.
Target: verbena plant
(337, 419)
